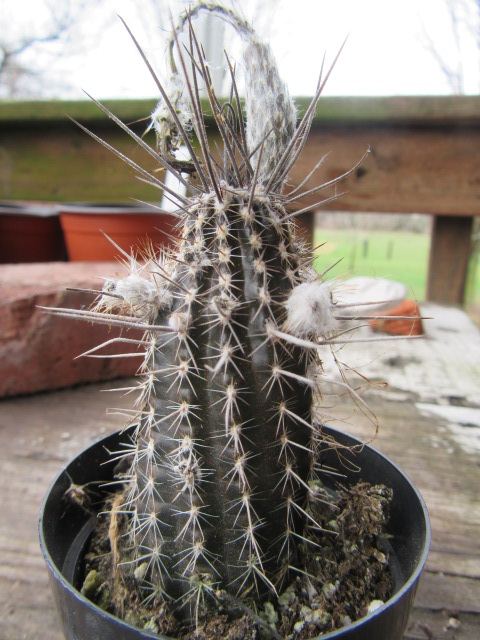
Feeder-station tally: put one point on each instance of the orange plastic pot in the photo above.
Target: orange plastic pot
(86, 227)
(30, 232)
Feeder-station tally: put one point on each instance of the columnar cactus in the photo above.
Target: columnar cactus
(223, 461)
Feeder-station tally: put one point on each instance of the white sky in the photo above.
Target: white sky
(385, 53)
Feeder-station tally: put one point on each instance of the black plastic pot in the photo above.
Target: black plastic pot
(65, 528)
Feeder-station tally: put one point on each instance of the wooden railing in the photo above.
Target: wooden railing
(425, 158)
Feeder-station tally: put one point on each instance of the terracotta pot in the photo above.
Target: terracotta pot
(30, 232)
(65, 529)
(403, 326)
(130, 227)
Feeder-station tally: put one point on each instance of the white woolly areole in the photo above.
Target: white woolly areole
(179, 321)
(168, 136)
(310, 310)
(269, 107)
(142, 296)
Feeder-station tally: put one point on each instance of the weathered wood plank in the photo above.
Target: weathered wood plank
(425, 159)
(438, 592)
(62, 163)
(410, 169)
(449, 256)
(415, 111)
(425, 153)
(442, 625)
(460, 561)
(55, 426)
(38, 434)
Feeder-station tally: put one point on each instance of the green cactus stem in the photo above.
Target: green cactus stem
(223, 463)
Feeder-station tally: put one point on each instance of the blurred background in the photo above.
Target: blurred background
(407, 84)
(56, 48)
(53, 50)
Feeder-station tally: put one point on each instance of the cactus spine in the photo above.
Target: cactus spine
(223, 500)
(224, 453)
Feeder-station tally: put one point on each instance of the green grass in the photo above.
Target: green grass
(472, 296)
(395, 255)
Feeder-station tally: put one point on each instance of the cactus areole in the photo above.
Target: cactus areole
(222, 469)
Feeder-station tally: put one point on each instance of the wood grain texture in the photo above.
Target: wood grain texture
(449, 257)
(40, 433)
(410, 170)
(425, 158)
(425, 152)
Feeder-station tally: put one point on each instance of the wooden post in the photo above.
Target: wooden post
(448, 263)
(306, 227)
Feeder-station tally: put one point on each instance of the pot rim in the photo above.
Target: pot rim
(396, 597)
(110, 208)
(32, 209)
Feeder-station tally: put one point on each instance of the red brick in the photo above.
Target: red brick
(37, 349)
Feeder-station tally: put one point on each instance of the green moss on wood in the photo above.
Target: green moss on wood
(428, 110)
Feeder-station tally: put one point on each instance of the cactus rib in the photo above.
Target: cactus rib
(223, 459)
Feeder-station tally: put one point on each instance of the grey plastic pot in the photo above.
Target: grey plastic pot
(65, 530)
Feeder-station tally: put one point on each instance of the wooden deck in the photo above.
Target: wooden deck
(425, 158)
(430, 425)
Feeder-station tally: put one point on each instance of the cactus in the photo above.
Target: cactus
(223, 464)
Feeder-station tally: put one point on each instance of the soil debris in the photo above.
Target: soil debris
(345, 575)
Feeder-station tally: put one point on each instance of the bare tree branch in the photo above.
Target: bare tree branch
(54, 22)
(464, 20)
